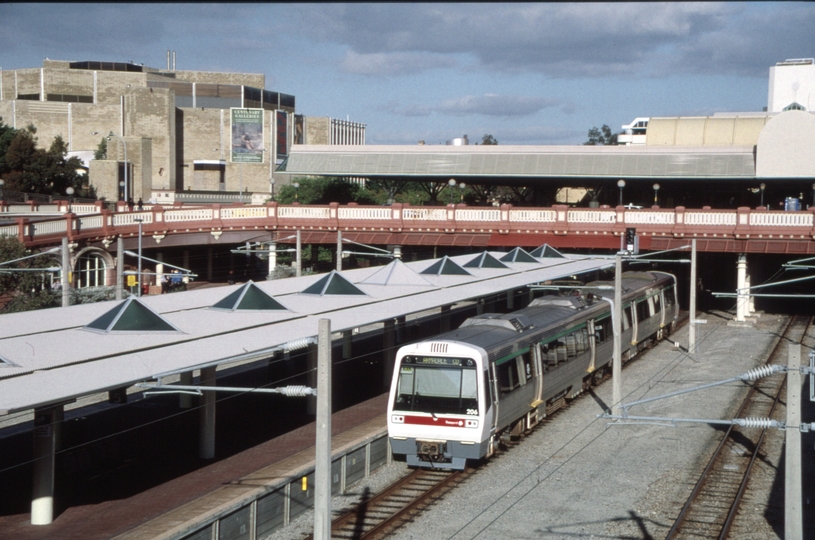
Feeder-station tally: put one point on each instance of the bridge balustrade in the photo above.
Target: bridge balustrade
(559, 220)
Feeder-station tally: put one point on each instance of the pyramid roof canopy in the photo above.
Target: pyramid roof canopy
(485, 260)
(249, 296)
(547, 252)
(445, 267)
(131, 316)
(518, 255)
(395, 273)
(333, 283)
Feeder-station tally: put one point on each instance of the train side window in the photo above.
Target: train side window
(508, 377)
(669, 297)
(657, 303)
(488, 389)
(627, 318)
(642, 310)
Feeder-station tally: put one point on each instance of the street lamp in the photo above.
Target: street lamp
(124, 145)
(452, 184)
(621, 185)
(762, 186)
(296, 191)
(70, 192)
(271, 182)
(121, 190)
(656, 192)
(139, 221)
(463, 186)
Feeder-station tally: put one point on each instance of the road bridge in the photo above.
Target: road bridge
(741, 230)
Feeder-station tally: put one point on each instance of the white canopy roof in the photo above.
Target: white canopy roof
(47, 357)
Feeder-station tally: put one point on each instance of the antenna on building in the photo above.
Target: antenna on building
(168, 59)
(173, 60)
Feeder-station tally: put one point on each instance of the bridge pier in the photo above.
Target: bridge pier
(206, 439)
(742, 289)
(47, 426)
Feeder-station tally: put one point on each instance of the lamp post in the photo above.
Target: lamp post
(271, 182)
(70, 192)
(139, 221)
(296, 191)
(656, 194)
(452, 184)
(122, 190)
(463, 186)
(3, 183)
(124, 145)
(621, 185)
(761, 187)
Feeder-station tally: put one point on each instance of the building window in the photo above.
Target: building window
(795, 106)
(90, 271)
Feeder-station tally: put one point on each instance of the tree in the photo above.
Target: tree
(601, 137)
(23, 291)
(101, 151)
(488, 140)
(24, 167)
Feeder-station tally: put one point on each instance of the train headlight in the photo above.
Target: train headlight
(397, 419)
(471, 424)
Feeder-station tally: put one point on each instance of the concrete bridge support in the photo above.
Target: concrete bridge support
(742, 291)
(47, 426)
(206, 440)
(347, 349)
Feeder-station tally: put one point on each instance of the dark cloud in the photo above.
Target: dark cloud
(576, 40)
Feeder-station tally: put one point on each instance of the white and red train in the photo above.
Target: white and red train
(455, 396)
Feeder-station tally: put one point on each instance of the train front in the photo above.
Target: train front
(438, 412)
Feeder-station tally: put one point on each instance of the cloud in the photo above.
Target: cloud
(391, 64)
(575, 40)
(495, 105)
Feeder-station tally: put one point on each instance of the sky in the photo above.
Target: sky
(529, 73)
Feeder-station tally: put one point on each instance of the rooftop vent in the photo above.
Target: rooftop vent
(332, 284)
(445, 267)
(248, 297)
(131, 316)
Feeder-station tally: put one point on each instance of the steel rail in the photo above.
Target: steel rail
(706, 474)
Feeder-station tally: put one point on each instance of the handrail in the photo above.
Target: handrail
(680, 221)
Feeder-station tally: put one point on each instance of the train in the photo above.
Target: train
(455, 398)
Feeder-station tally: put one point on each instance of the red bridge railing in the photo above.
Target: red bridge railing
(90, 222)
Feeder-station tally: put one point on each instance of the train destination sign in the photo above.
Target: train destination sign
(438, 361)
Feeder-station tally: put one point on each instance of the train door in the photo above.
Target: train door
(592, 345)
(536, 359)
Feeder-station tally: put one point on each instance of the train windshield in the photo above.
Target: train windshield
(437, 385)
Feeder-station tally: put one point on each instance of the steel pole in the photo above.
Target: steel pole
(120, 264)
(616, 323)
(66, 274)
(692, 306)
(339, 250)
(322, 466)
(793, 520)
(140, 231)
(298, 261)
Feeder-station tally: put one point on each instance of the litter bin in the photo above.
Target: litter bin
(792, 204)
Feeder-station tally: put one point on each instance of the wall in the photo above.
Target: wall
(788, 84)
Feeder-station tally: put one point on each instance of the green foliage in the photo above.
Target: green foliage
(601, 137)
(488, 140)
(323, 191)
(24, 167)
(22, 291)
(101, 151)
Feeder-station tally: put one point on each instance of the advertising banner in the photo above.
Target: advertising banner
(247, 135)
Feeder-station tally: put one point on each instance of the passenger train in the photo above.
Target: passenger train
(457, 396)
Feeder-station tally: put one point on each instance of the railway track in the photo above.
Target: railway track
(381, 514)
(714, 502)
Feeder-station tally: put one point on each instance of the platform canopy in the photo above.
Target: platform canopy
(48, 357)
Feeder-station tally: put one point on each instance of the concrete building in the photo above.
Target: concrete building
(171, 129)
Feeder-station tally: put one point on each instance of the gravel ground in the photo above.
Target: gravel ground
(578, 476)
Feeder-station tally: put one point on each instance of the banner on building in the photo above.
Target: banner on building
(247, 135)
(282, 136)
